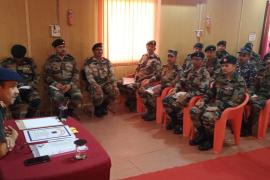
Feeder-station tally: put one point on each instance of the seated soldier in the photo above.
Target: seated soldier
(8, 95)
(194, 82)
(170, 73)
(198, 47)
(28, 87)
(221, 50)
(62, 77)
(254, 58)
(228, 90)
(211, 62)
(246, 69)
(101, 80)
(149, 66)
(257, 101)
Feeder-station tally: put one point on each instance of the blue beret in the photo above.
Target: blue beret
(9, 75)
(198, 55)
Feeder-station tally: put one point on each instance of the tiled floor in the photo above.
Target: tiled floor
(137, 147)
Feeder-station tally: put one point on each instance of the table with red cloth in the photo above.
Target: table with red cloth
(95, 167)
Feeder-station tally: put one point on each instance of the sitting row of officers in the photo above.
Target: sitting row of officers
(219, 78)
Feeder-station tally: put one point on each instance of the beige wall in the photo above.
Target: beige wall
(179, 19)
(41, 14)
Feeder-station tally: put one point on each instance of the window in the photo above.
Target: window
(125, 27)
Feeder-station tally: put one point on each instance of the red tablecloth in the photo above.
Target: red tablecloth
(95, 167)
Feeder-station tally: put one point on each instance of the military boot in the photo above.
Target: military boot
(104, 107)
(178, 129)
(207, 143)
(172, 123)
(199, 138)
(98, 111)
(151, 114)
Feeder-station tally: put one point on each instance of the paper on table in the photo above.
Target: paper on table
(46, 134)
(55, 148)
(38, 122)
(127, 81)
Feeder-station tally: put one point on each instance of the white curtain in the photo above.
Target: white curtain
(127, 26)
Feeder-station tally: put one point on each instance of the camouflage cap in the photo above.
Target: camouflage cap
(197, 55)
(210, 48)
(245, 50)
(58, 42)
(9, 75)
(198, 45)
(97, 45)
(222, 43)
(248, 45)
(18, 51)
(172, 52)
(152, 42)
(228, 59)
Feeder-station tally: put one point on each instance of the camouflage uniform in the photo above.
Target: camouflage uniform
(99, 73)
(194, 83)
(149, 66)
(168, 77)
(187, 63)
(27, 69)
(263, 94)
(63, 71)
(2, 128)
(212, 66)
(249, 73)
(223, 94)
(221, 54)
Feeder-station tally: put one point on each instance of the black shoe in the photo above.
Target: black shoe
(246, 132)
(206, 145)
(199, 138)
(150, 117)
(171, 125)
(178, 129)
(98, 112)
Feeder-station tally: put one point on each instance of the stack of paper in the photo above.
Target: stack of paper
(38, 122)
(48, 134)
(54, 148)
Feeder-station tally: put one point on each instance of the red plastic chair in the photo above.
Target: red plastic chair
(160, 113)
(235, 115)
(187, 123)
(263, 120)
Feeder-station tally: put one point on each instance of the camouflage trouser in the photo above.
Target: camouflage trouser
(106, 96)
(173, 108)
(129, 92)
(256, 105)
(32, 98)
(207, 119)
(74, 95)
(149, 100)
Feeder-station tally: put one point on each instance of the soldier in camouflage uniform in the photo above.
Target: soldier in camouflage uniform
(221, 50)
(255, 58)
(246, 69)
(194, 82)
(228, 90)
(198, 47)
(149, 66)
(62, 77)
(170, 74)
(101, 81)
(211, 62)
(258, 100)
(28, 87)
